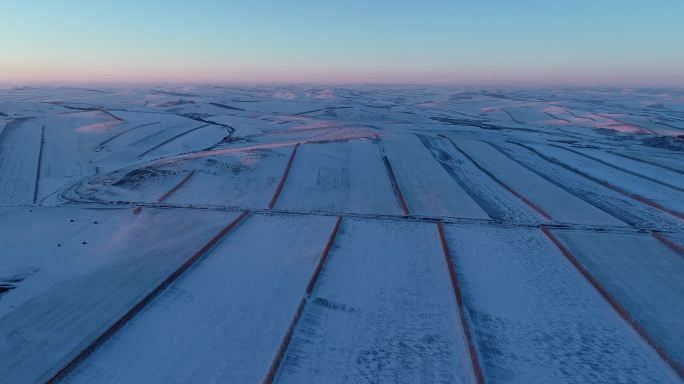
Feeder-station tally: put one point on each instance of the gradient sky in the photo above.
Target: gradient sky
(492, 42)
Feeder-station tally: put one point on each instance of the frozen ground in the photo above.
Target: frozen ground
(379, 234)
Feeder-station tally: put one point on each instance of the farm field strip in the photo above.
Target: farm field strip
(238, 300)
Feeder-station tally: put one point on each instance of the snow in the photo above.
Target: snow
(242, 179)
(617, 204)
(245, 179)
(233, 308)
(126, 183)
(19, 152)
(643, 274)
(499, 203)
(558, 203)
(46, 327)
(339, 177)
(60, 167)
(382, 311)
(562, 333)
(653, 173)
(428, 189)
(633, 184)
(675, 164)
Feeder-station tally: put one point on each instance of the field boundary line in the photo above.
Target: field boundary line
(131, 313)
(163, 143)
(392, 177)
(669, 243)
(40, 161)
(645, 161)
(606, 184)
(635, 174)
(477, 369)
(510, 189)
(622, 311)
(278, 358)
(175, 187)
(281, 183)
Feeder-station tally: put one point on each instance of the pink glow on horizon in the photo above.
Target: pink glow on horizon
(31, 73)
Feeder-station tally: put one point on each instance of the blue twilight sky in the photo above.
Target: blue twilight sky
(491, 42)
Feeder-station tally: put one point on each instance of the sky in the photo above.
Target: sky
(483, 42)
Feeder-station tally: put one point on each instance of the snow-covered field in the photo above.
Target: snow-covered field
(379, 234)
